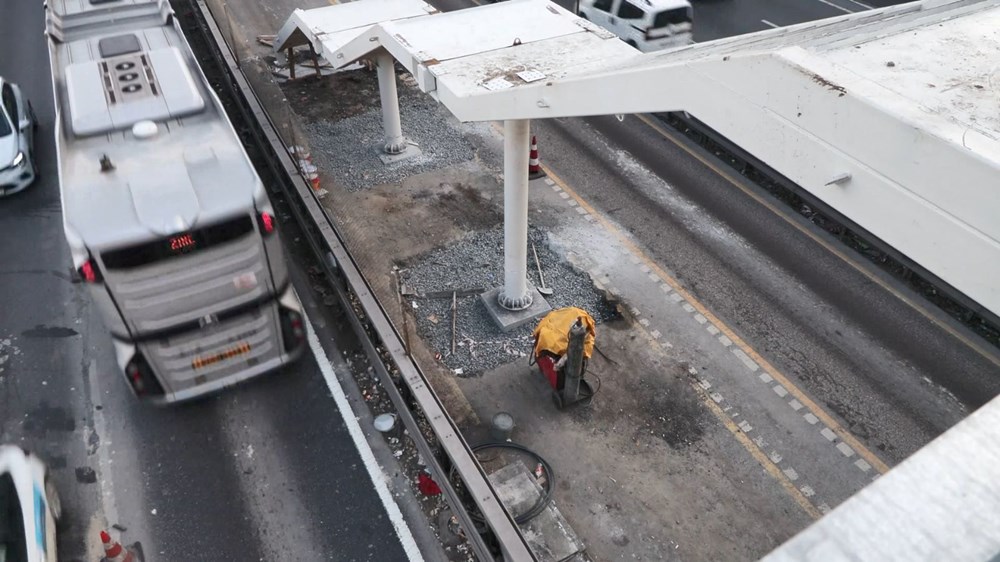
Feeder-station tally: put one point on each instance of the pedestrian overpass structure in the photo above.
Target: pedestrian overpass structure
(891, 117)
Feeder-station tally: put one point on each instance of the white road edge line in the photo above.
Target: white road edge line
(357, 435)
(862, 4)
(765, 22)
(832, 5)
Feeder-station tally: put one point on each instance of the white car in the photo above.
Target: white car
(17, 140)
(29, 508)
(647, 25)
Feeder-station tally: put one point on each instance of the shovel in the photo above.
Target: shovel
(546, 291)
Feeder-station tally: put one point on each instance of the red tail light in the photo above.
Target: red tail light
(135, 377)
(293, 330)
(90, 272)
(267, 222)
(140, 376)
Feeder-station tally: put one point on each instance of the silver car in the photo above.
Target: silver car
(18, 124)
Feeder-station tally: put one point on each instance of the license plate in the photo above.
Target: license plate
(206, 360)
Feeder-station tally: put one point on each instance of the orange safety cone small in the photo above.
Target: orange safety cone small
(114, 551)
(309, 170)
(534, 165)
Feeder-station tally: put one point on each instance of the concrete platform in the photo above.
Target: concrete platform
(550, 536)
(509, 320)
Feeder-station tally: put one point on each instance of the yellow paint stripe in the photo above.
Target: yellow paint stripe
(976, 346)
(801, 396)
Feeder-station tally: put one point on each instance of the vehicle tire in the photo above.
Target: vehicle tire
(52, 496)
(632, 44)
(583, 16)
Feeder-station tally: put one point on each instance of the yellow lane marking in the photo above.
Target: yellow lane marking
(826, 418)
(978, 347)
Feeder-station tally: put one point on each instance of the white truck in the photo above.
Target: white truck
(647, 25)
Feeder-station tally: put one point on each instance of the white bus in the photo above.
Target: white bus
(165, 217)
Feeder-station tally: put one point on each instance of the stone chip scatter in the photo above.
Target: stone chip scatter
(356, 164)
(476, 262)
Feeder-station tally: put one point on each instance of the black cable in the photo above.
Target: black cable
(550, 479)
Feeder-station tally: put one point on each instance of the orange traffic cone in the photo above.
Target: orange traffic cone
(115, 552)
(534, 166)
(309, 170)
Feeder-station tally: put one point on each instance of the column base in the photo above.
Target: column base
(405, 151)
(509, 320)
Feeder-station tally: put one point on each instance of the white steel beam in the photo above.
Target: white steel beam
(515, 294)
(394, 143)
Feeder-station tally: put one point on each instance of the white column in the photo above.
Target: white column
(394, 143)
(516, 144)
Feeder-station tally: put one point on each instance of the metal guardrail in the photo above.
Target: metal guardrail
(346, 279)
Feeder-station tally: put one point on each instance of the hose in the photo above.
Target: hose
(550, 480)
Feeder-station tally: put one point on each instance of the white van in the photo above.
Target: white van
(647, 25)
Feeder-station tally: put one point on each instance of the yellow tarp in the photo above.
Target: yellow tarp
(552, 333)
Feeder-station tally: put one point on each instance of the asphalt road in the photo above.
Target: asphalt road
(266, 471)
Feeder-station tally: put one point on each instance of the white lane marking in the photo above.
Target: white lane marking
(779, 390)
(832, 5)
(354, 428)
(796, 405)
(862, 4)
(845, 449)
(828, 433)
(811, 419)
(791, 474)
(750, 363)
(767, 23)
(861, 464)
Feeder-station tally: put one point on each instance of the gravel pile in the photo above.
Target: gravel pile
(476, 262)
(350, 148)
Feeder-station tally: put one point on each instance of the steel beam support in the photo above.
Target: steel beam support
(394, 142)
(515, 294)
